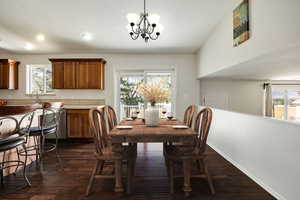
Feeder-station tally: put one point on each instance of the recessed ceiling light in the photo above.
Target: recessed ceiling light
(86, 36)
(28, 46)
(40, 37)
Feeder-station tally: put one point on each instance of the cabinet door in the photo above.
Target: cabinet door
(82, 75)
(95, 75)
(78, 124)
(69, 75)
(57, 75)
(4, 76)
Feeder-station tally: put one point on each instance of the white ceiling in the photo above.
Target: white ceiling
(281, 65)
(187, 24)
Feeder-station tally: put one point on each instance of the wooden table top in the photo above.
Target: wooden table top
(142, 133)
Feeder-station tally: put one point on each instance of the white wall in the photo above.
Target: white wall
(233, 95)
(274, 26)
(266, 149)
(185, 66)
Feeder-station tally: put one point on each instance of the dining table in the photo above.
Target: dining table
(140, 133)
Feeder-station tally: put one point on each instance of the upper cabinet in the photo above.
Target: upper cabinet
(80, 73)
(9, 73)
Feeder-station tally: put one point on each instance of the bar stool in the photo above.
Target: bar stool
(13, 135)
(48, 125)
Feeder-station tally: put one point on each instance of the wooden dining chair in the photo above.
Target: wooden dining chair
(111, 117)
(195, 152)
(104, 152)
(189, 115)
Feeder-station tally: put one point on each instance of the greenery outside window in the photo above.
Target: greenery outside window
(39, 79)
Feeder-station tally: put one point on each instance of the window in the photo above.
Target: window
(286, 102)
(39, 79)
(129, 101)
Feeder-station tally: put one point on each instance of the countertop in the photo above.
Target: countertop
(83, 107)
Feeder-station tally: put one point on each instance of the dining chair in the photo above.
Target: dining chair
(194, 152)
(111, 117)
(189, 115)
(49, 121)
(13, 136)
(187, 120)
(104, 152)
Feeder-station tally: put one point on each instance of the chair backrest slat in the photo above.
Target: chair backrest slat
(189, 115)
(202, 126)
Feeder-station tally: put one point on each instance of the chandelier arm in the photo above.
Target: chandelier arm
(135, 32)
(134, 38)
(153, 38)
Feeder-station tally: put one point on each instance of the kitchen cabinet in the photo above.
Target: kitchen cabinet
(81, 73)
(78, 123)
(9, 74)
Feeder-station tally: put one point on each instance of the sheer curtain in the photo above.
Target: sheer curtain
(268, 100)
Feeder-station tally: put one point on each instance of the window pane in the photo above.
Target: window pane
(130, 101)
(37, 82)
(293, 105)
(40, 79)
(49, 80)
(278, 104)
(165, 79)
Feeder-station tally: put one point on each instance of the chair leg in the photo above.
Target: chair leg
(92, 178)
(100, 167)
(200, 167)
(171, 175)
(209, 178)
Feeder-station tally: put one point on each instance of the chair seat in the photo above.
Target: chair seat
(183, 151)
(37, 131)
(11, 144)
(125, 153)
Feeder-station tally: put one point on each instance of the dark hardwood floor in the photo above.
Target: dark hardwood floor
(151, 182)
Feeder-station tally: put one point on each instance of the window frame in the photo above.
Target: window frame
(143, 72)
(285, 88)
(29, 79)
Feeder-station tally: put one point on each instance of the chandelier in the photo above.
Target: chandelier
(145, 25)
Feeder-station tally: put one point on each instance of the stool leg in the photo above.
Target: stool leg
(2, 166)
(24, 168)
(18, 162)
(56, 151)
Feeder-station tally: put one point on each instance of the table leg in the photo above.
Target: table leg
(118, 176)
(187, 177)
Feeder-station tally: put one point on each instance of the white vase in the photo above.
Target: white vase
(152, 116)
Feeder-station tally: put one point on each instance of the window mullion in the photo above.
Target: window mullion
(286, 104)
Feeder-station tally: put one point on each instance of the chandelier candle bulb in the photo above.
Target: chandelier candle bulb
(132, 18)
(154, 18)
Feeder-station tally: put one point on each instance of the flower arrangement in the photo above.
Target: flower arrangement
(154, 93)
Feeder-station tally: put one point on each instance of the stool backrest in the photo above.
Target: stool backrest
(51, 114)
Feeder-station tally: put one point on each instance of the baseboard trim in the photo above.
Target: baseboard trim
(248, 173)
